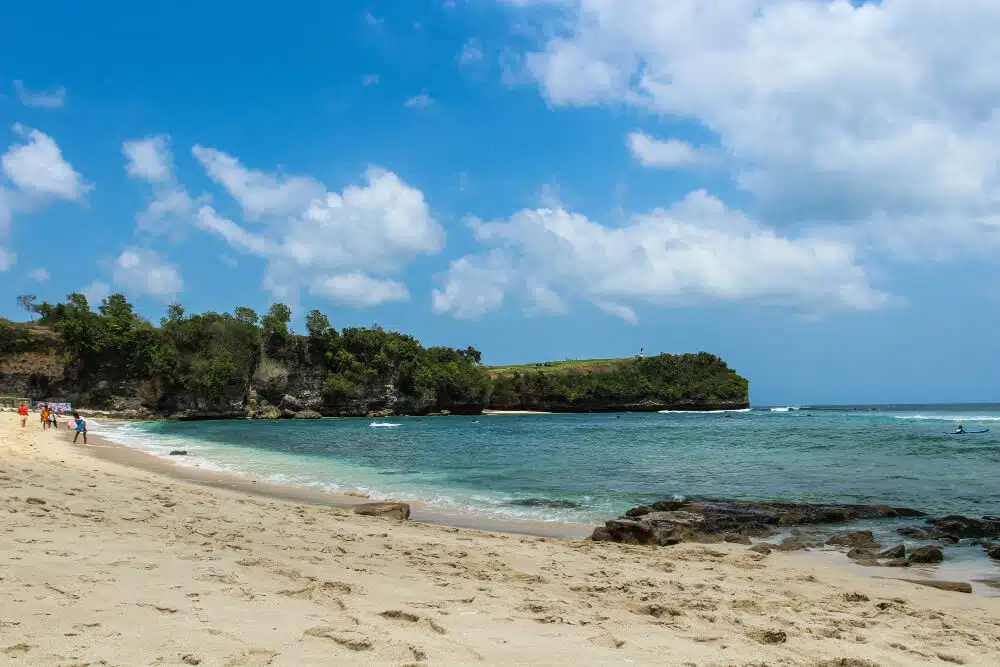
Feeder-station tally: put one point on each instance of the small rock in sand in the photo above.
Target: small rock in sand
(955, 586)
(761, 549)
(34, 501)
(736, 538)
(179, 452)
(191, 660)
(399, 511)
(898, 551)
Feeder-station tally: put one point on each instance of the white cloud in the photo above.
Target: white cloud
(618, 310)
(652, 152)
(420, 101)
(473, 287)
(259, 193)
(40, 275)
(357, 289)
(143, 272)
(828, 111)
(335, 244)
(7, 259)
(52, 98)
(38, 168)
(149, 159)
(171, 208)
(96, 292)
(471, 54)
(696, 251)
(369, 80)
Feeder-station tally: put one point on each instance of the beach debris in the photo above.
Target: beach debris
(179, 452)
(673, 521)
(859, 539)
(954, 586)
(34, 501)
(770, 636)
(928, 554)
(391, 510)
(191, 660)
(856, 597)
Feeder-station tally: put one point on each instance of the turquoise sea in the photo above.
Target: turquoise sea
(591, 467)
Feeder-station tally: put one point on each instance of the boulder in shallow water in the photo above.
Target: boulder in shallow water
(859, 539)
(993, 551)
(179, 452)
(308, 414)
(928, 554)
(400, 511)
(965, 527)
(897, 551)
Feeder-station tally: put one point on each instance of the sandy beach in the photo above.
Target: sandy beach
(108, 562)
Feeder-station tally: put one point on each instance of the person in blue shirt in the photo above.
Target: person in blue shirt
(79, 427)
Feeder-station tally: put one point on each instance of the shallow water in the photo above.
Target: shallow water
(587, 468)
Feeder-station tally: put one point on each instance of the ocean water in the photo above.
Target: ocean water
(588, 468)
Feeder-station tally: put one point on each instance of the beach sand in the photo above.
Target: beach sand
(112, 564)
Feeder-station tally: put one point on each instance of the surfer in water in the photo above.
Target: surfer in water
(960, 429)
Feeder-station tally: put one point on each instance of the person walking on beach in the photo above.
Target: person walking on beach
(23, 412)
(53, 421)
(81, 427)
(45, 416)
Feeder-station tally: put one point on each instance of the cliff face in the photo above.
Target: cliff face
(35, 363)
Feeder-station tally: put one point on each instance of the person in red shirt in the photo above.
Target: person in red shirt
(23, 411)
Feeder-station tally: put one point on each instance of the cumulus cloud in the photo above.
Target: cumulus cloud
(142, 272)
(259, 193)
(345, 245)
(7, 259)
(473, 287)
(673, 153)
(171, 207)
(471, 53)
(829, 110)
(149, 159)
(53, 98)
(696, 251)
(39, 275)
(38, 168)
(357, 289)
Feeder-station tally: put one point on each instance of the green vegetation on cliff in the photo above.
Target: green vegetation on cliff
(222, 364)
(665, 381)
(208, 362)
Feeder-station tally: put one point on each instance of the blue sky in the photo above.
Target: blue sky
(807, 188)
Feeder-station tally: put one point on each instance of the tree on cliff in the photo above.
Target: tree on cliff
(27, 301)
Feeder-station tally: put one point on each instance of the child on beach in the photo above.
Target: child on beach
(81, 427)
(45, 416)
(23, 412)
(53, 421)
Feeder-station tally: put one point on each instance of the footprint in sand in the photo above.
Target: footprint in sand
(349, 639)
(255, 657)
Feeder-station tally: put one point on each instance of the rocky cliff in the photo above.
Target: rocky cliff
(302, 378)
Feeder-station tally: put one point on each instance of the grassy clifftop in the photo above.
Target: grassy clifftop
(699, 381)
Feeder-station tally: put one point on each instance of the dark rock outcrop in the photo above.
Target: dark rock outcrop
(308, 414)
(672, 521)
(898, 551)
(993, 551)
(400, 511)
(860, 539)
(965, 527)
(927, 554)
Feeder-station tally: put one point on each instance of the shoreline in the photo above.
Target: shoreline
(132, 457)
